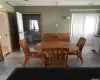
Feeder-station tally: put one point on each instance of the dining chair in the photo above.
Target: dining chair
(55, 57)
(78, 41)
(49, 38)
(27, 53)
(80, 44)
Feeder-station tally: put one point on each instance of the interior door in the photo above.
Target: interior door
(89, 27)
(4, 40)
(77, 27)
(20, 25)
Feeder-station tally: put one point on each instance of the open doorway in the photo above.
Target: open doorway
(4, 36)
(32, 28)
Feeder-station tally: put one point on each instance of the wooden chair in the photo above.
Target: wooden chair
(59, 36)
(80, 45)
(49, 38)
(27, 52)
(79, 41)
(55, 57)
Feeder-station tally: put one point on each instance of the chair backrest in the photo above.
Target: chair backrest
(81, 43)
(55, 56)
(25, 47)
(58, 36)
(78, 41)
(49, 38)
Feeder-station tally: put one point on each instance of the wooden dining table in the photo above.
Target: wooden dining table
(56, 44)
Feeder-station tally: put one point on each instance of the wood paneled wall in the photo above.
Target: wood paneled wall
(59, 36)
(15, 42)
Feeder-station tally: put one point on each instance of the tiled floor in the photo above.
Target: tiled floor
(4, 50)
(15, 59)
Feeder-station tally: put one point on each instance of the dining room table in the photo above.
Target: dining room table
(56, 44)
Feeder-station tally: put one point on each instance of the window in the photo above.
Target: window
(34, 25)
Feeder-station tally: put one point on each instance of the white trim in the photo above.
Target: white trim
(10, 3)
(7, 32)
(84, 9)
(83, 24)
(97, 23)
(71, 33)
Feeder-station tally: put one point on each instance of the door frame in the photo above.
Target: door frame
(72, 24)
(41, 24)
(8, 30)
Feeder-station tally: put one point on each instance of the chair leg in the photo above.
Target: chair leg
(77, 56)
(26, 60)
(66, 62)
(80, 56)
(44, 60)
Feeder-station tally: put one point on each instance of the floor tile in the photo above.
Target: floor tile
(16, 59)
(3, 77)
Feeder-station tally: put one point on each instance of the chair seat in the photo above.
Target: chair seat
(35, 55)
(27, 52)
(74, 52)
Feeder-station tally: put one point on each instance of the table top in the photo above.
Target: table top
(57, 44)
(55, 74)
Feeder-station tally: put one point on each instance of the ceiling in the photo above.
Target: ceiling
(53, 2)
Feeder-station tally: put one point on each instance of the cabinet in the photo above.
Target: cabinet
(96, 44)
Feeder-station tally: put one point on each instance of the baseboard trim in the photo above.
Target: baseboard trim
(7, 54)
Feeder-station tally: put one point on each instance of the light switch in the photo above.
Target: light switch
(56, 25)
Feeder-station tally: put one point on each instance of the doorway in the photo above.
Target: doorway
(32, 28)
(83, 25)
(4, 36)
